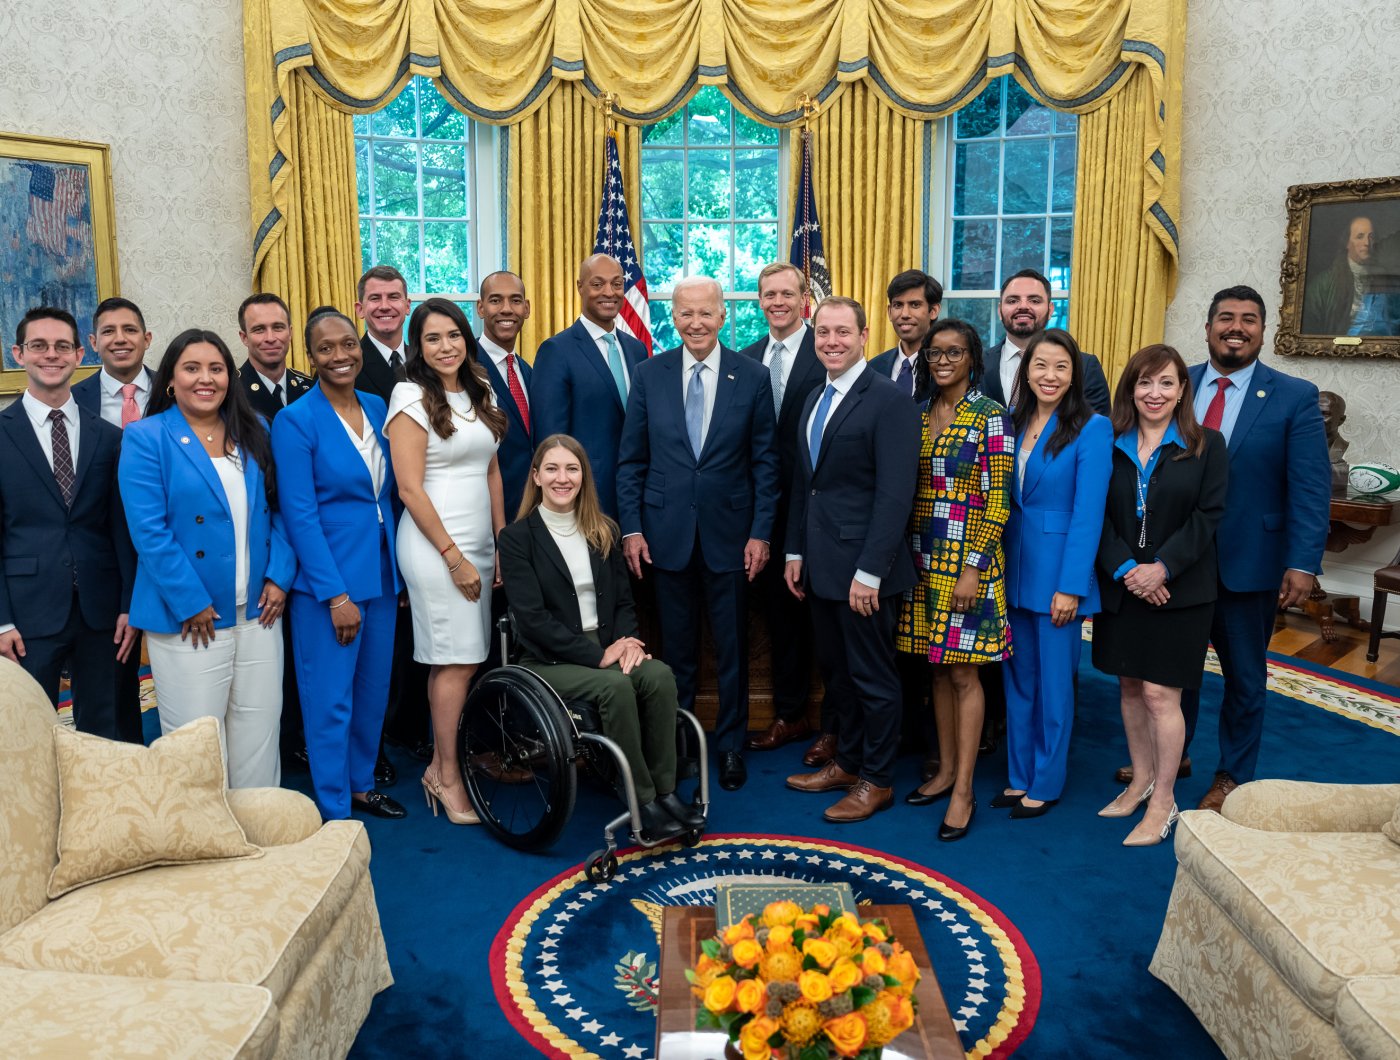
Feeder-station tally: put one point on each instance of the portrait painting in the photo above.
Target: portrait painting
(1341, 270)
(57, 239)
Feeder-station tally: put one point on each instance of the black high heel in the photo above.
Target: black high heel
(948, 834)
(918, 798)
(1005, 800)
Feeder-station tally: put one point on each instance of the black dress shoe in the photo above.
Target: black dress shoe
(683, 812)
(657, 824)
(1005, 801)
(948, 834)
(1021, 810)
(918, 798)
(732, 771)
(377, 804)
(384, 773)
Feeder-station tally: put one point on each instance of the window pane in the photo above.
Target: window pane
(748, 131)
(1026, 176)
(1059, 314)
(444, 180)
(1066, 164)
(981, 117)
(979, 312)
(974, 255)
(396, 244)
(1061, 244)
(755, 246)
(1022, 245)
(663, 184)
(361, 124)
(1066, 122)
(400, 117)
(445, 258)
(709, 117)
(709, 185)
(755, 184)
(1025, 116)
(395, 179)
(666, 131)
(441, 120)
(366, 244)
(362, 174)
(749, 325)
(975, 178)
(663, 253)
(709, 251)
(663, 334)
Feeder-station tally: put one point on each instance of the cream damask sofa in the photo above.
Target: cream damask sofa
(1283, 930)
(275, 956)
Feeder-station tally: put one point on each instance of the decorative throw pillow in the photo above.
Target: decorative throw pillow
(1391, 828)
(123, 807)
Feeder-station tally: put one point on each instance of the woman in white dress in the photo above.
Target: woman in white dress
(443, 429)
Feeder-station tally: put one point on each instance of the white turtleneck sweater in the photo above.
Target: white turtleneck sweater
(564, 529)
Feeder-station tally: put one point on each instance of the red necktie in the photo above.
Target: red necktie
(1216, 410)
(516, 390)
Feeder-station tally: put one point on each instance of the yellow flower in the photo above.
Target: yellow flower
(822, 951)
(706, 970)
(747, 952)
(806, 922)
(844, 974)
(821, 909)
(873, 961)
(779, 938)
(720, 994)
(901, 1013)
(847, 1033)
(781, 966)
(887, 1017)
(776, 914)
(753, 1039)
(845, 934)
(801, 1022)
(735, 932)
(815, 986)
(751, 996)
(874, 932)
(903, 968)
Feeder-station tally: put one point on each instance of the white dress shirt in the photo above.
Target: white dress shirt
(709, 372)
(367, 445)
(272, 385)
(387, 352)
(498, 355)
(111, 387)
(1010, 363)
(899, 361)
(791, 345)
(38, 414)
(597, 333)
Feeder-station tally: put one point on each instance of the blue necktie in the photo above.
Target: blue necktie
(615, 366)
(905, 381)
(814, 442)
(775, 376)
(695, 410)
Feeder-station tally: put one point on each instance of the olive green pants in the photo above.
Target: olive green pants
(638, 712)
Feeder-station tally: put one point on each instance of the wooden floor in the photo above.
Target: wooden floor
(1298, 635)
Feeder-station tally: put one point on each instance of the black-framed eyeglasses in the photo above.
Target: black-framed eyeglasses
(953, 354)
(39, 347)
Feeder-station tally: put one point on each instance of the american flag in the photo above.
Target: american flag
(615, 238)
(807, 252)
(56, 198)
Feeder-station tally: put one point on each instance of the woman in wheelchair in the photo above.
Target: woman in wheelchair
(562, 567)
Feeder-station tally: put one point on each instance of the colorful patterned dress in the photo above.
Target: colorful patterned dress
(961, 508)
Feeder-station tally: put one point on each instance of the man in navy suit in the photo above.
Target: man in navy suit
(697, 486)
(504, 310)
(382, 303)
(914, 299)
(67, 559)
(583, 375)
(1275, 524)
(1024, 308)
(857, 470)
(788, 354)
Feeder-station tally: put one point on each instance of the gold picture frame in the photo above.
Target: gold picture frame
(1341, 270)
(57, 209)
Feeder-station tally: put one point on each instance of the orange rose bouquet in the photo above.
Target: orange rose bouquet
(795, 984)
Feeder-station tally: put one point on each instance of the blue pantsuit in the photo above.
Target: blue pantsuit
(1040, 702)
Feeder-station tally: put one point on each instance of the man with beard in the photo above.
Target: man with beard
(1024, 309)
(914, 300)
(504, 310)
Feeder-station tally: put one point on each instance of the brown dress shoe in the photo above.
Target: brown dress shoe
(1215, 797)
(822, 751)
(779, 733)
(829, 777)
(862, 801)
(1124, 774)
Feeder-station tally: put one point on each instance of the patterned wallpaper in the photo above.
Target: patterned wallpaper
(161, 81)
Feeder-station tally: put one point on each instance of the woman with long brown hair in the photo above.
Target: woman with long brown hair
(1157, 573)
(444, 429)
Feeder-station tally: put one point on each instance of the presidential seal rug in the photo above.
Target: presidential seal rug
(575, 966)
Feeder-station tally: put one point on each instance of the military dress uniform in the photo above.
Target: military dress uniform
(266, 403)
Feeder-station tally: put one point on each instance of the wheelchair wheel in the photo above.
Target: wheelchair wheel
(516, 756)
(601, 866)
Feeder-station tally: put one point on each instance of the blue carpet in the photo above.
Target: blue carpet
(1089, 910)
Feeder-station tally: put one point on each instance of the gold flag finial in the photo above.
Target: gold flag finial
(608, 100)
(809, 107)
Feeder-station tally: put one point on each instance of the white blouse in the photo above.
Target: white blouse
(230, 470)
(367, 444)
(563, 527)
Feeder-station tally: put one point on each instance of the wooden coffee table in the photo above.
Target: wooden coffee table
(683, 928)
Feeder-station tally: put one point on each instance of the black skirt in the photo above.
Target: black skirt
(1166, 647)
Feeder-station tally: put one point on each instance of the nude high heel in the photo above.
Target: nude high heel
(1120, 811)
(1152, 840)
(432, 789)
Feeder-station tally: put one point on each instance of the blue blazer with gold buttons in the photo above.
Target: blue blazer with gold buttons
(182, 528)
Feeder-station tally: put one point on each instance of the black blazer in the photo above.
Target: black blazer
(851, 512)
(1095, 384)
(1185, 500)
(294, 385)
(376, 377)
(544, 603)
(42, 541)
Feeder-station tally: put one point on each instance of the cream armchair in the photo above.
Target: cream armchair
(1283, 929)
(277, 956)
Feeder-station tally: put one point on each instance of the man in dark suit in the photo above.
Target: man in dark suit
(504, 310)
(382, 303)
(788, 354)
(67, 559)
(265, 329)
(914, 299)
(697, 485)
(583, 374)
(1275, 524)
(1024, 309)
(857, 470)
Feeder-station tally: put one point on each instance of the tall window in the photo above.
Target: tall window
(1011, 172)
(423, 209)
(711, 203)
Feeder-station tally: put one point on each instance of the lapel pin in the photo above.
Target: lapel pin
(728, 376)
(254, 387)
(1259, 393)
(185, 440)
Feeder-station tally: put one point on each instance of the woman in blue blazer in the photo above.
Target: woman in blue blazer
(213, 564)
(337, 485)
(1064, 456)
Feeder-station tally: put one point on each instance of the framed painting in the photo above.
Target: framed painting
(59, 242)
(1341, 270)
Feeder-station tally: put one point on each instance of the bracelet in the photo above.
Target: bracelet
(450, 546)
(342, 603)
(453, 570)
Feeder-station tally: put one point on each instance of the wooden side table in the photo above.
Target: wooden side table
(683, 928)
(1353, 520)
